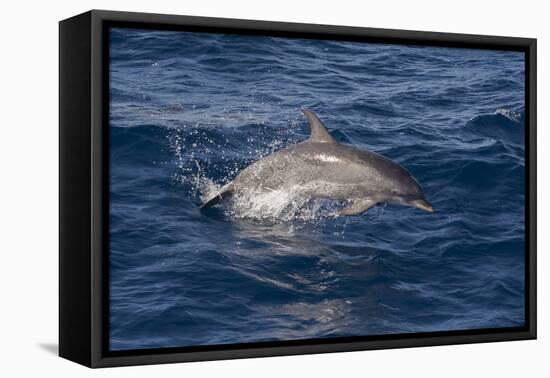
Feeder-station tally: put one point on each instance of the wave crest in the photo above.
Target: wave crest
(504, 124)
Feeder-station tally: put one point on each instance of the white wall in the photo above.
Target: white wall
(28, 158)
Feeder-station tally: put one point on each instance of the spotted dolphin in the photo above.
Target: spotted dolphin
(320, 167)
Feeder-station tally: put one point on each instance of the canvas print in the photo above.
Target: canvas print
(273, 189)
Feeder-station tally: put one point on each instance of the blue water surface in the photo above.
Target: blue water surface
(188, 111)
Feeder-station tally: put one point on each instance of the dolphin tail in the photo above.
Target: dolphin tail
(224, 192)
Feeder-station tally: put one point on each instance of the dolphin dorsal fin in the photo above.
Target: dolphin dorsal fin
(319, 132)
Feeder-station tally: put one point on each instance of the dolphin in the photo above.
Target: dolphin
(320, 167)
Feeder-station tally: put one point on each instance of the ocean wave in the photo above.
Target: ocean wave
(504, 125)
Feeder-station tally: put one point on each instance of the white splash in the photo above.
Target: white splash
(286, 204)
(268, 206)
(510, 114)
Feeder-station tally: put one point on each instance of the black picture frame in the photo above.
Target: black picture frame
(83, 194)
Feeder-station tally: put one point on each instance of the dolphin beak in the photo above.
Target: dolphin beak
(422, 205)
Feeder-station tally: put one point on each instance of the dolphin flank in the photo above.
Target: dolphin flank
(320, 167)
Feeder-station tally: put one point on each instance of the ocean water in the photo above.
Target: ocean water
(188, 111)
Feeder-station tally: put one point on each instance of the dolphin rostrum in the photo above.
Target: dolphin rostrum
(320, 167)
